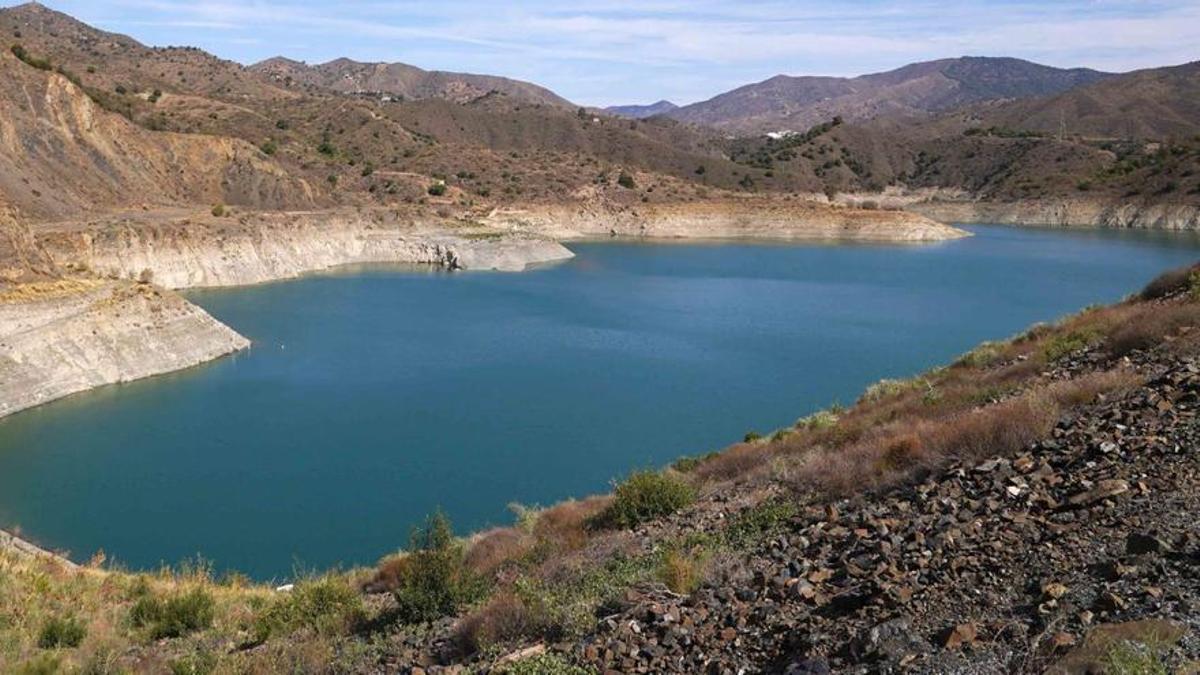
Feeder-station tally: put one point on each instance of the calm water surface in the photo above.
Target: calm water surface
(372, 396)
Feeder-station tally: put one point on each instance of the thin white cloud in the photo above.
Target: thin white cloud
(603, 51)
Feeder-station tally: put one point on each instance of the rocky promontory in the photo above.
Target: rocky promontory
(62, 337)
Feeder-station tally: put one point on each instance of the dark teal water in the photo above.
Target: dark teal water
(373, 396)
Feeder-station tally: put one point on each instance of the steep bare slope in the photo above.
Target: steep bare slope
(61, 154)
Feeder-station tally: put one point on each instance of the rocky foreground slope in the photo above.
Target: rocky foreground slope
(1047, 558)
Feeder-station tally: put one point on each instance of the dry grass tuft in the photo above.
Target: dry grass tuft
(736, 462)
(490, 550)
(564, 527)
(682, 571)
(1153, 327)
(906, 449)
(1170, 283)
(504, 619)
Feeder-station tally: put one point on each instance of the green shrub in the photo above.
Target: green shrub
(175, 616)
(753, 525)
(822, 419)
(269, 147)
(542, 664)
(432, 580)
(1065, 344)
(1130, 658)
(42, 664)
(682, 571)
(218, 210)
(199, 662)
(626, 181)
(61, 632)
(569, 606)
(21, 53)
(437, 189)
(751, 436)
(982, 356)
(646, 495)
(686, 464)
(327, 605)
(888, 388)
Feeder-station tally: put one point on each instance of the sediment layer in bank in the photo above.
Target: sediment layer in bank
(744, 218)
(62, 337)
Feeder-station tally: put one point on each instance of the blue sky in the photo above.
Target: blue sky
(601, 52)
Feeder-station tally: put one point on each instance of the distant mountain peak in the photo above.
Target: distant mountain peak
(914, 90)
(642, 111)
(347, 76)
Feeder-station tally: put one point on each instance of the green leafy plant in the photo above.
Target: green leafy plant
(432, 580)
(61, 632)
(327, 605)
(643, 496)
(174, 616)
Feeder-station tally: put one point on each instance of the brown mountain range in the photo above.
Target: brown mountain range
(982, 128)
(1152, 103)
(916, 90)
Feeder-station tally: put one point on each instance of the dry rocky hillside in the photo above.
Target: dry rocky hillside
(1157, 103)
(969, 131)
(62, 154)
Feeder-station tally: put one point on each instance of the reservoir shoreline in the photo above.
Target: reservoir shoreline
(113, 277)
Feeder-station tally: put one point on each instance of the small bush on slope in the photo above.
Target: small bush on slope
(328, 605)
(542, 664)
(174, 616)
(61, 632)
(646, 495)
(432, 581)
(1170, 282)
(505, 618)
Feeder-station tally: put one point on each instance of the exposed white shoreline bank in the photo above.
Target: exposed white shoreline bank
(111, 316)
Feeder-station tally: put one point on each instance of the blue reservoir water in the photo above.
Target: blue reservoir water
(374, 395)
